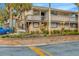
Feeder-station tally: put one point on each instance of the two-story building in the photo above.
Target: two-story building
(39, 18)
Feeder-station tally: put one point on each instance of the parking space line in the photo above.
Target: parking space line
(40, 51)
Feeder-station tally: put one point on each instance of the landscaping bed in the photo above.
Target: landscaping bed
(38, 41)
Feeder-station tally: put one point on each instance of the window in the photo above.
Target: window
(42, 13)
(35, 24)
(73, 15)
(54, 25)
(73, 25)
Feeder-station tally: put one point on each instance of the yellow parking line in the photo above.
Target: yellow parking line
(48, 53)
(40, 52)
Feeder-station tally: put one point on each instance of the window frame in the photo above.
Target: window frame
(55, 25)
(34, 24)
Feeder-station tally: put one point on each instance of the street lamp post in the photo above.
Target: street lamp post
(49, 18)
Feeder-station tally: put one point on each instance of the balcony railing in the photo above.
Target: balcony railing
(35, 17)
(61, 18)
(53, 18)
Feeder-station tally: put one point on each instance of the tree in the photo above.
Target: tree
(77, 4)
(9, 8)
(21, 9)
(1, 18)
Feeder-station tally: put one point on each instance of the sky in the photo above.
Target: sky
(63, 6)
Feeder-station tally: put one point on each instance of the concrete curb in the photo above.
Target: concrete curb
(36, 44)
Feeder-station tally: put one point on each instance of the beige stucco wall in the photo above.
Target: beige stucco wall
(32, 28)
(65, 28)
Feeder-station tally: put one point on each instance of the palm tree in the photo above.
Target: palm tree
(1, 18)
(77, 4)
(49, 19)
(10, 7)
(21, 8)
(3, 15)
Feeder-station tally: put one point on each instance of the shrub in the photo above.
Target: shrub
(56, 31)
(45, 32)
(19, 35)
(32, 32)
(75, 30)
(36, 32)
(52, 32)
(66, 30)
(71, 33)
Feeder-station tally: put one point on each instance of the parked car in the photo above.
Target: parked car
(8, 30)
(5, 30)
(2, 31)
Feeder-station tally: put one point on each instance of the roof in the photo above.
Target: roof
(46, 8)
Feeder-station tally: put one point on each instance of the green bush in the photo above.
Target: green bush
(32, 32)
(45, 32)
(19, 35)
(52, 32)
(75, 30)
(70, 30)
(66, 30)
(37, 32)
(11, 36)
(56, 31)
(71, 33)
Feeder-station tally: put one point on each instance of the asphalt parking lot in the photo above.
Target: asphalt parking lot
(64, 49)
(16, 51)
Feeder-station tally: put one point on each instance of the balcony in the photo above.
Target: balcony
(61, 18)
(34, 18)
(53, 18)
(73, 19)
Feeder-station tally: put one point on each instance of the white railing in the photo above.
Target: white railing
(61, 18)
(35, 17)
(53, 18)
(73, 19)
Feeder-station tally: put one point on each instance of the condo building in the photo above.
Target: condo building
(38, 18)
